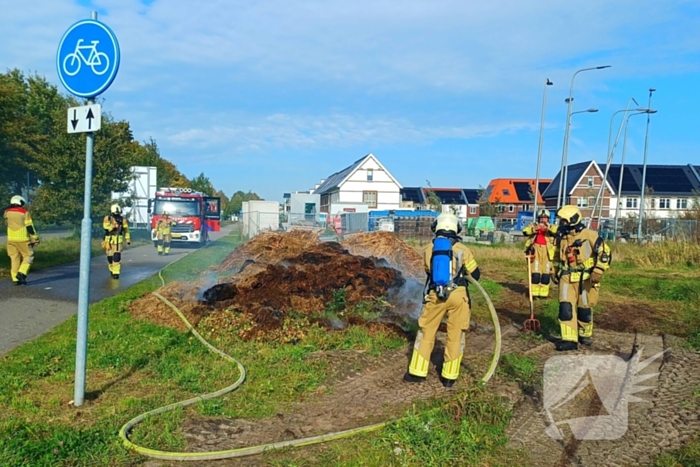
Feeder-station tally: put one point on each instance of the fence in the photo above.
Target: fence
(254, 222)
(655, 229)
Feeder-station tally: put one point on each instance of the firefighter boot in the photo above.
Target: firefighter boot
(21, 279)
(448, 383)
(409, 378)
(564, 346)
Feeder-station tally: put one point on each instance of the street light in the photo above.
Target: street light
(566, 130)
(610, 154)
(539, 150)
(622, 169)
(562, 183)
(644, 172)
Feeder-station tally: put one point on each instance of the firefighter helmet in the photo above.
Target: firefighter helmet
(18, 200)
(115, 209)
(570, 214)
(446, 222)
(543, 213)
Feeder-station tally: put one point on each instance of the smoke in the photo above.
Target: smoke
(210, 280)
(407, 299)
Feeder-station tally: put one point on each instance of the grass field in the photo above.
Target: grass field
(135, 366)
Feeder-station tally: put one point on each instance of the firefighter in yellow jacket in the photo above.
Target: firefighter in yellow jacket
(21, 238)
(163, 233)
(116, 230)
(445, 257)
(581, 258)
(540, 250)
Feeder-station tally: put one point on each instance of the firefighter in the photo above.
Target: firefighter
(116, 232)
(163, 233)
(540, 250)
(581, 257)
(444, 259)
(21, 239)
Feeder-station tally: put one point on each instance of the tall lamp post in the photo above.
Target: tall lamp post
(539, 150)
(622, 169)
(570, 101)
(644, 172)
(598, 205)
(562, 184)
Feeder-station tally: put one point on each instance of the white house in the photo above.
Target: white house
(366, 181)
(672, 190)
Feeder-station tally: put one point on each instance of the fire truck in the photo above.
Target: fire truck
(196, 214)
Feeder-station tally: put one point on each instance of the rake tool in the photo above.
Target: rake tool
(531, 324)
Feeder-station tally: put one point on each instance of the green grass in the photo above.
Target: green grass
(519, 368)
(135, 366)
(687, 456)
(467, 429)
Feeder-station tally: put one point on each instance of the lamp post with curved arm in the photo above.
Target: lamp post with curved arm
(563, 182)
(644, 173)
(539, 150)
(611, 153)
(566, 130)
(622, 169)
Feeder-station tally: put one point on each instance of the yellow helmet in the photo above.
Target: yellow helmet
(18, 200)
(115, 209)
(571, 214)
(165, 213)
(446, 222)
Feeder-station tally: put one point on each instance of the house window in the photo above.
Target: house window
(506, 193)
(523, 207)
(682, 203)
(472, 209)
(631, 203)
(582, 202)
(501, 208)
(370, 198)
(511, 208)
(664, 203)
(370, 175)
(590, 181)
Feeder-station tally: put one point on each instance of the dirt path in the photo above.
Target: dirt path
(376, 393)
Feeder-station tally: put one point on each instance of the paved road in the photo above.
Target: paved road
(51, 295)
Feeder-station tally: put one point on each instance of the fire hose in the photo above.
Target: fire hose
(248, 451)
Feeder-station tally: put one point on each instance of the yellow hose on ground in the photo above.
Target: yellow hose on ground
(248, 451)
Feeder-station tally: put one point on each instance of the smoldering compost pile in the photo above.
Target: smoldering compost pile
(276, 274)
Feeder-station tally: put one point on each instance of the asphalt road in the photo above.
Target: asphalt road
(51, 295)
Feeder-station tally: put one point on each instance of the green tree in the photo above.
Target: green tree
(236, 203)
(433, 199)
(202, 183)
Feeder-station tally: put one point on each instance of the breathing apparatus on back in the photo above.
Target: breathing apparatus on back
(442, 278)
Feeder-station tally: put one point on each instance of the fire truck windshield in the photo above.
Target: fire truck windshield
(176, 207)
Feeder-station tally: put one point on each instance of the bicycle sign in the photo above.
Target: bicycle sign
(88, 58)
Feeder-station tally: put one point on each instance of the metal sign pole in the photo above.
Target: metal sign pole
(84, 284)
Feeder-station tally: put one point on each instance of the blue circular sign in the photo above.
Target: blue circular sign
(88, 58)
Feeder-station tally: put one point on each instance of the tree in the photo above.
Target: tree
(486, 207)
(433, 199)
(202, 183)
(236, 204)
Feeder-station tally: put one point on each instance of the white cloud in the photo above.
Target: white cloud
(246, 134)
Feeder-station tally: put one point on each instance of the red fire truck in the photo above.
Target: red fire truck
(196, 214)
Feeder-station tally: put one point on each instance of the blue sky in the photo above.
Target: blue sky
(272, 96)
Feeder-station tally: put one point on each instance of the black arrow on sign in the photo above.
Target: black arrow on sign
(90, 116)
(75, 118)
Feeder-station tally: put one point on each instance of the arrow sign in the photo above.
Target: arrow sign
(90, 116)
(84, 119)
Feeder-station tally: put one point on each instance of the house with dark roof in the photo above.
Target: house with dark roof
(465, 201)
(513, 195)
(583, 182)
(671, 189)
(365, 182)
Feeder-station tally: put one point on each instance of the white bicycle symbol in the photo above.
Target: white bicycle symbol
(95, 60)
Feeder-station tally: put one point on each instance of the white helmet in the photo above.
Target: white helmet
(115, 209)
(18, 200)
(543, 213)
(448, 222)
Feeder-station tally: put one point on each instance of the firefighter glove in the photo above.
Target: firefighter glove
(596, 276)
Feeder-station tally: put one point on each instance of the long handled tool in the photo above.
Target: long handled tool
(531, 324)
